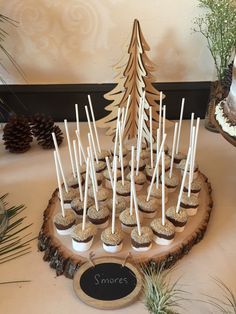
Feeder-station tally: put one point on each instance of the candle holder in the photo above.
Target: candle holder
(3, 219)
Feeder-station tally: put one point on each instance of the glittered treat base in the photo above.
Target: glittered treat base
(58, 250)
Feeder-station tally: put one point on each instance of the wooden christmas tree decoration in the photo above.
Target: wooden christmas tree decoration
(134, 79)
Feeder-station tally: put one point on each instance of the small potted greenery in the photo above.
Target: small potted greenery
(217, 24)
(160, 295)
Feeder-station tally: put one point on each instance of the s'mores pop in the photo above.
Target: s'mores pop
(83, 233)
(178, 216)
(65, 219)
(127, 217)
(98, 214)
(163, 230)
(178, 155)
(112, 237)
(172, 179)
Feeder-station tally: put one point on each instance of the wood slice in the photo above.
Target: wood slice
(61, 257)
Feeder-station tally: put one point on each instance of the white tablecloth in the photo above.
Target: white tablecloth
(30, 179)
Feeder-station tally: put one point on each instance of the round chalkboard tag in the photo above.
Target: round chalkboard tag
(108, 284)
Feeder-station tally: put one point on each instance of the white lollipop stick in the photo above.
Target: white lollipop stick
(142, 117)
(173, 150)
(191, 161)
(160, 110)
(151, 148)
(78, 129)
(109, 170)
(86, 192)
(80, 154)
(78, 171)
(90, 153)
(180, 124)
(163, 215)
(183, 180)
(121, 156)
(164, 121)
(59, 184)
(69, 147)
(156, 167)
(80, 147)
(114, 197)
(126, 114)
(139, 148)
(139, 116)
(59, 161)
(190, 137)
(91, 144)
(191, 126)
(141, 103)
(94, 123)
(122, 120)
(139, 122)
(90, 130)
(116, 136)
(157, 154)
(136, 206)
(93, 180)
(196, 139)
(131, 178)
(77, 117)
(139, 119)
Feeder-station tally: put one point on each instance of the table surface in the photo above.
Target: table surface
(30, 179)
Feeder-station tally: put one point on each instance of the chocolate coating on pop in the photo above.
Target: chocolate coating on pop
(140, 178)
(64, 221)
(70, 195)
(167, 231)
(110, 238)
(178, 219)
(145, 237)
(147, 206)
(78, 206)
(81, 235)
(93, 213)
(127, 219)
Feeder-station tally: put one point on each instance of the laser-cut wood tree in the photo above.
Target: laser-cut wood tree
(133, 78)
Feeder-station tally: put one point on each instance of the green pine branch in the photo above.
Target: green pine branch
(15, 242)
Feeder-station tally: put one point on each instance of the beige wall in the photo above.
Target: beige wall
(78, 41)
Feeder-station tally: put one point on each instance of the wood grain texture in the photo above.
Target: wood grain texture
(65, 261)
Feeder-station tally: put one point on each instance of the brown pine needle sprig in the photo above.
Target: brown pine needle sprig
(161, 296)
(15, 242)
(227, 303)
(14, 282)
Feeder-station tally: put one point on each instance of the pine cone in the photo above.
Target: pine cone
(227, 77)
(17, 135)
(42, 128)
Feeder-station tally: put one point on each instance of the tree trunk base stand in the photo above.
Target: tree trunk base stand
(58, 251)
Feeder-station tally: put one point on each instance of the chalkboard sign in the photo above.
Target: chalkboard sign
(109, 284)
